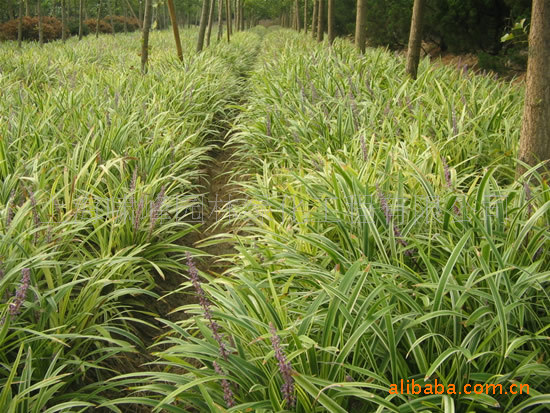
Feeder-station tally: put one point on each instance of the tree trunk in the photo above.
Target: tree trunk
(175, 29)
(228, 19)
(236, 15)
(125, 13)
(320, 22)
(40, 29)
(140, 13)
(202, 27)
(314, 18)
(20, 25)
(415, 38)
(210, 22)
(535, 131)
(236, 22)
(80, 19)
(330, 19)
(63, 21)
(147, 17)
(98, 17)
(220, 19)
(298, 23)
(361, 25)
(305, 16)
(111, 16)
(241, 17)
(27, 8)
(140, 18)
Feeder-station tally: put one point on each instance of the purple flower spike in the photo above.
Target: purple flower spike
(11, 207)
(157, 205)
(134, 179)
(227, 393)
(21, 293)
(384, 205)
(268, 126)
(447, 172)
(205, 305)
(364, 148)
(287, 389)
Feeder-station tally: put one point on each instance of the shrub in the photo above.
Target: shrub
(72, 26)
(104, 27)
(51, 28)
(487, 61)
(118, 22)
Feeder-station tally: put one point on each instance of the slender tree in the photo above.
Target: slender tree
(330, 18)
(237, 15)
(140, 18)
(415, 38)
(297, 11)
(99, 16)
(535, 131)
(40, 28)
(320, 22)
(220, 19)
(80, 19)
(210, 22)
(20, 25)
(293, 16)
(228, 19)
(147, 17)
(175, 29)
(111, 16)
(125, 13)
(63, 21)
(27, 8)
(314, 18)
(241, 18)
(361, 25)
(202, 25)
(305, 16)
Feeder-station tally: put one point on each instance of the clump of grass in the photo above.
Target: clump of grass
(98, 170)
(460, 297)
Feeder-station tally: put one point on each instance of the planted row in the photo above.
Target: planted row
(99, 170)
(365, 255)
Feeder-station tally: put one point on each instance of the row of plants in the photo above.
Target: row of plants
(52, 27)
(99, 171)
(382, 236)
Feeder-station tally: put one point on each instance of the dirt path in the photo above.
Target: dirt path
(217, 202)
(218, 190)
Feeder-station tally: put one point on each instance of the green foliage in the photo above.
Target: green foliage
(457, 26)
(73, 27)
(453, 286)
(490, 62)
(89, 150)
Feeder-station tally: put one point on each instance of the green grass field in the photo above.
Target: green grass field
(380, 234)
